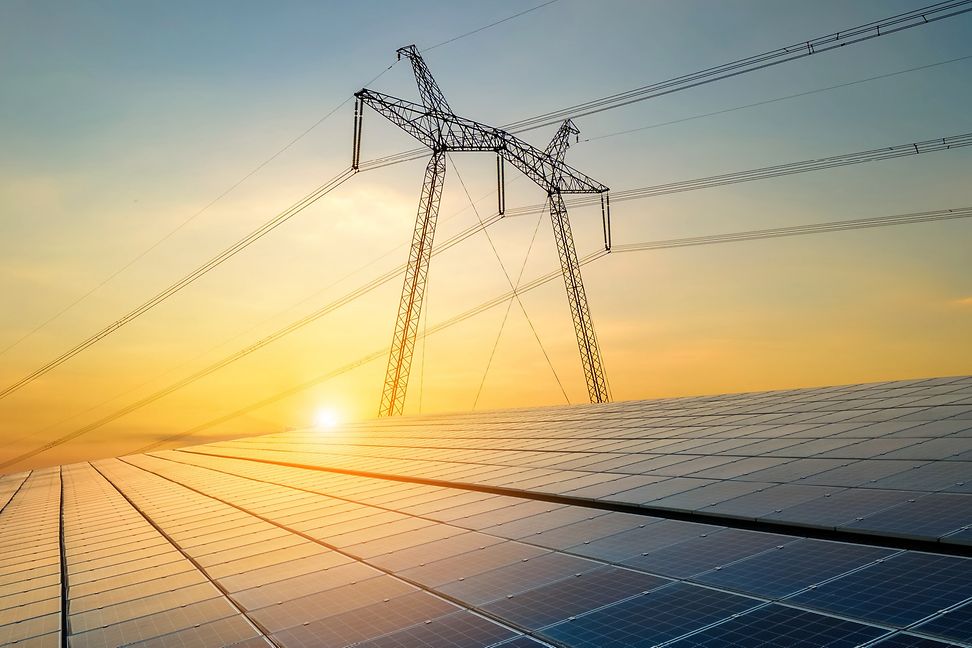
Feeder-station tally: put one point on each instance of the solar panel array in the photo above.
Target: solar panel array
(518, 529)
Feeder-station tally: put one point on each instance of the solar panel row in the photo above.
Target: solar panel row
(892, 459)
(30, 564)
(189, 549)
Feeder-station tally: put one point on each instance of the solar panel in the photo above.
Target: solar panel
(904, 640)
(792, 566)
(575, 594)
(515, 578)
(706, 551)
(187, 548)
(649, 619)
(936, 515)
(899, 591)
(842, 507)
(776, 626)
(954, 624)
(451, 631)
(367, 622)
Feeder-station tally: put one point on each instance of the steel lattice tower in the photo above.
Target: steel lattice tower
(434, 124)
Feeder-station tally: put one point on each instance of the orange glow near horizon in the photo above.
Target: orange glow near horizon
(107, 198)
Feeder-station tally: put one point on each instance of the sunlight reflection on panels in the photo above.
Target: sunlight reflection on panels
(344, 546)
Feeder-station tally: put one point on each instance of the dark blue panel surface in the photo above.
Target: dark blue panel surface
(573, 596)
(521, 642)
(776, 626)
(897, 591)
(652, 618)
(910, 641)
(792, 567)
(706, 552)
(956, 624)
(930, 516)
(843, 507)
(512, 579)
(366, 622)
(635, 542)
(457, 630)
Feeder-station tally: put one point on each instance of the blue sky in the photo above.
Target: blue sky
(119, 120)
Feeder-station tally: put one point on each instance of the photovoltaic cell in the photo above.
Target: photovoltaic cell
(628, 545)
(706, 552)
(512, 579)
(903, 640)
(521, 642)
(792, 567)
(652, 618)
(776, 626)
(572, 596)
(154, 625)
(932, 515)
(47, 625)
(707, 496)
(934, 476)
(955, 624)
(330, 602)
(456, 630)
(769, 501)
(366, 623)
(651, 492)
(960, 537)
(118, 562)
(586, 531)
(303, 585)
(473, 562)
(223, 632)
(544, 522)
(842, 507)
(139, 607)
(898, 591)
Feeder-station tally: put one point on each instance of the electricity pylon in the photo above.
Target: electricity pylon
(580, 311)
(434, 124)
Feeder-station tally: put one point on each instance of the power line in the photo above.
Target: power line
(763, 173)
(509, 281)
(506, 314)
(836, 40)
(242, 353)
(242, 180)
(774, 100)
(632, 194)
(188, 279)
(185, 222)
(489, 26)
(799, 230)
(893, 24)
(796, 230)
(871, 30)
(320, 312)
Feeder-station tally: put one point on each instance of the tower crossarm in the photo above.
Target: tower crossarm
(429, 90)
(449, 132)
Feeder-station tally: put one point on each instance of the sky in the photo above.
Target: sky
(121, 121)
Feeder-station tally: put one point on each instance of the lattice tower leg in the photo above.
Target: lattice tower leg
(580, 312)
(413, 290)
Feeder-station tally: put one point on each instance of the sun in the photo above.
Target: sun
(326, 418)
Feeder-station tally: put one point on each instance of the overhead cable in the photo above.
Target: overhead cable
(763, 173)
(188, 279)
(246, 177)
(796, 230)
(803, 49)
